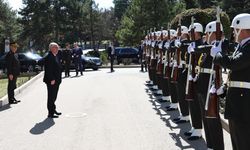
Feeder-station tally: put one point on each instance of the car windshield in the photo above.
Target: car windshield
(127, 51)
(33, 55)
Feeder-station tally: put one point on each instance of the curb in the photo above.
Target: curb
(4, 100)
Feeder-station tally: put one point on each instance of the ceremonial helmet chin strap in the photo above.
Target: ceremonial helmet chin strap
(237, 33)
(209, 36)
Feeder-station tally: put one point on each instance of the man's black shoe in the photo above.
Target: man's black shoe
(176, 119)
(16, 101)
(167, 107)
(52, 116)
(181, 121)
(12, 102)
(188, 133)
(57, 113)
(157, 94)
(192, 138)
(162, 101)
(171, 109)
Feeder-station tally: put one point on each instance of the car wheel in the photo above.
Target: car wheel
(30, 68)
(95, 68)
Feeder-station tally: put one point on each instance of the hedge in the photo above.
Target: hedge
(203, 16)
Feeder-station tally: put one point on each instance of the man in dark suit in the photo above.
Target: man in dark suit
(111, 53)
(67, 54)
(52, 78)
(77, 54)
(13, 70)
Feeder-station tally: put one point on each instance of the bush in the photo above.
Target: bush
(203, 16)
(104, 57)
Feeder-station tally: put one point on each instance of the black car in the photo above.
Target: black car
(28, 62)
(91, 62)
(126, 55)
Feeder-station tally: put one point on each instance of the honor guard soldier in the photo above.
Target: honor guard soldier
(196, 31)
(171, 85)
(238, 95)
(182, 43)
(212, 125)
(164, 81)
(153, 61)
(159, 65)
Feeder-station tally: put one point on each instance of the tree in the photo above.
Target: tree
(235, 7)
(9, 27)
(120, 7)
(142, 15)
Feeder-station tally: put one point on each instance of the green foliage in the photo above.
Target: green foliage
(104, 57)
(140, 16)
(9, 27)
(203, 16)
(235, 7)
(64, 21)
(120, 8)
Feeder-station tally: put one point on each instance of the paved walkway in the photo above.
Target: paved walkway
(101, 111)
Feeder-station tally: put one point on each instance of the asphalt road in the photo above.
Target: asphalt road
(101, 111)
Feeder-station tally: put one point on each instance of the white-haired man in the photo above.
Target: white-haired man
(52, 78)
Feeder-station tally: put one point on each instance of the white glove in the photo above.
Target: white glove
(160, 45)
(177, 43)
(212, 90)
(190, 78)
(220, 91)
(153, 44)
(215, 49)
(195, 78)
(191, 47)
(175, 64)
(166, 45)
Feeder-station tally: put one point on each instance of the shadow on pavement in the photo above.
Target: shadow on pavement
(167, 116)
(5, 107)
(40, 127)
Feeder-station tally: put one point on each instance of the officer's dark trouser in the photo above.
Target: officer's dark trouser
(154, 79)
(173, 92)
(212, 127)
(145, 65)
(195, 112)
(111, 63)
(184, 107)
(67, 69)
(52, 95)
(11, 88)
(165, 87)
(239, 132)
(158, 80)
(142, 64)
(78, 66)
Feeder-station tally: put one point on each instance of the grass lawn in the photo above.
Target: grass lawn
(4, 83)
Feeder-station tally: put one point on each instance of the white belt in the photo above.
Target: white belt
(206, 70)
(239, 84)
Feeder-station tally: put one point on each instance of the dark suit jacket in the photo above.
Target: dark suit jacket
(12, 64)
(53, 69)
(237, 99)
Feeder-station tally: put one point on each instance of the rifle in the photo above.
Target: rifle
(167, 55)
(212, 101)
(177, 57)
(160, 65)
(191, 68)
